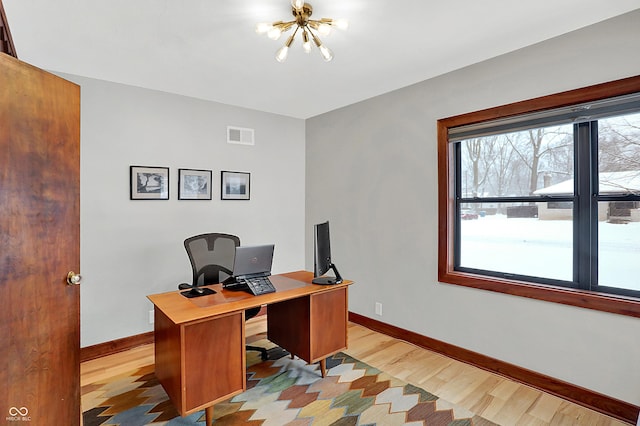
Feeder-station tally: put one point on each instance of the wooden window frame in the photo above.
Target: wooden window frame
(446, 204)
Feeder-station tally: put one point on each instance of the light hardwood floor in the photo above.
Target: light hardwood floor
(491, 396)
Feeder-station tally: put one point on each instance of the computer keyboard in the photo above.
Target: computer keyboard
(255, 285)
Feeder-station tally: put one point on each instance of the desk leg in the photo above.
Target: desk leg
(208, 415)
(323, 367)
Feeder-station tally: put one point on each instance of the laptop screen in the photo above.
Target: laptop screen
(252, 260)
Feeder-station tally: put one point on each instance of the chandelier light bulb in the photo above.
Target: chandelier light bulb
(263, 27)
(326, 53)
(281, 54)
(297, 4)
(324, 29)
(341, 24)
(306, 43)
(274, 33)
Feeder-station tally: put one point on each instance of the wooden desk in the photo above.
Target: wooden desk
(200, 342)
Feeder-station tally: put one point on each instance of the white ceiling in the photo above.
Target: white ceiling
(208, 48)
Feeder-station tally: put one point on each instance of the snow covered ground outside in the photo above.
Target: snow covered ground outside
(544, 248)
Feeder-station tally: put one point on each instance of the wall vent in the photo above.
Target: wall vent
(240, 135)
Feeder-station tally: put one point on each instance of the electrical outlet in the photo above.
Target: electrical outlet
(379, 308)
(151, 318)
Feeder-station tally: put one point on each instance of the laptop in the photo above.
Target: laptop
(251, 269)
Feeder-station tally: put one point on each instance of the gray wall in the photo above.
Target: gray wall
(372, 171)
(130, 249)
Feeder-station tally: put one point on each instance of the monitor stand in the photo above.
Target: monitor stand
(194, 291)
(329, 280)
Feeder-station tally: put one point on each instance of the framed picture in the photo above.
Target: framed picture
(194, 184)
(148, 183)
(235, 185)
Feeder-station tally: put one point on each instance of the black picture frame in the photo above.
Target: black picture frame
(235, 185)
(194, 184)
(148, 183)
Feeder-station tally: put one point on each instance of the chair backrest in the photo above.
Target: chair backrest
(211, 257)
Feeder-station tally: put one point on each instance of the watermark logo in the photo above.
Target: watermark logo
(18, 414)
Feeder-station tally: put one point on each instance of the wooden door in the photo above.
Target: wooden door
(39, 245)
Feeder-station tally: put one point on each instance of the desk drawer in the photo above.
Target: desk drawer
(311, 327)
(214, 360)
(200, 363)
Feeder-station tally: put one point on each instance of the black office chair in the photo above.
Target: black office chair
(211, 256)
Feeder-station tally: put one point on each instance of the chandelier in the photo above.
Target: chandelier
(310, 29)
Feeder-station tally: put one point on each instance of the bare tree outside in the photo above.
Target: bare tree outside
(619, 144)
(517, 163)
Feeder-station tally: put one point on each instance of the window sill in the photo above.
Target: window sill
(584, 299)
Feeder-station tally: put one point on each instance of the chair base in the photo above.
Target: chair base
(263, 352)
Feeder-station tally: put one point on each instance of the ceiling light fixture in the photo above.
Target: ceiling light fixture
(309, 29)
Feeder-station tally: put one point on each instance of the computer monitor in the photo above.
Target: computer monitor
(322, 256)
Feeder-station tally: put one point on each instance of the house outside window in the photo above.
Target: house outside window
(542, 198)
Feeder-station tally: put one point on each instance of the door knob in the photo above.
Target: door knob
(73, 278)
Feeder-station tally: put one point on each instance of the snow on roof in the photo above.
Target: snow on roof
(610, 182)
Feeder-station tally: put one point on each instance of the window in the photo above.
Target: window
(542, 198)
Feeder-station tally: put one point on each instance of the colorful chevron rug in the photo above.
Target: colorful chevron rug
(280, 391)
